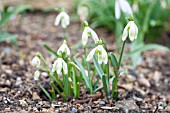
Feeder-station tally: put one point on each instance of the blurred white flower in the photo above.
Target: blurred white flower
(122, 5)
(64, 48)
(101, 54)
(89, 32)
(36, 61)
(130, 29)
(83, 12)
(135, 7)
(58, 65)
(36, 75)
(64, 18)
(69, 79)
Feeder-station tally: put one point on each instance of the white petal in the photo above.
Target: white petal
(94, 35)
(64, 48)
(90, 56)
(59, 65)
(36, 75)
(36, 61)
(65, 69)
(125, 6)
(100, 58)
(133, 31)
(67, 50)
(104, 55)
(63, 23)
(57, 20)
(85, 36)
(54, 66)
(125, 32)
(117, 10)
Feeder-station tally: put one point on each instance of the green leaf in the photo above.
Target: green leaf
(42, 68)
(114, 88)
(97, 66)
(45, 91)
(113, 60)
(87, 82)
(7, 15)
(74, 83)
(106, 85)
(6, 36)
(58, 91)
(57, 80)
(51, 50)
(146, 47)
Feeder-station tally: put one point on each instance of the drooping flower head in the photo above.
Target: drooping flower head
(88, 32)
(60, 64)
(83, 12)
(130, 29)
(122, 5)
(64, 48)
(36, 61)
(64, 18)
(100, 52)
(36, 75)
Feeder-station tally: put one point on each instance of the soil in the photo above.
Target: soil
(145, 89)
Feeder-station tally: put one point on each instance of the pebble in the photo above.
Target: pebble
(102, 103)
(35, 96)
(18, 81)
(74, 110)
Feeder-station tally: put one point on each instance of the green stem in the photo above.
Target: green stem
(64, 33)
(88, 68)
(121, 54)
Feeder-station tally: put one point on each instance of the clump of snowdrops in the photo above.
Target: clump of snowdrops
(69, 75)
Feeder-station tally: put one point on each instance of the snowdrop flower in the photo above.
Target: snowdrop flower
(69, 79)
(64, 18)
(122, 5)
(100, 52)
(130, 29)
(64, 48)
(36, 61)
(83, 12)
(36, 75)
(88, 32)
(58, 65)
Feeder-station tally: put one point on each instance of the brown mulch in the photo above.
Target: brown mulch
(145, 89)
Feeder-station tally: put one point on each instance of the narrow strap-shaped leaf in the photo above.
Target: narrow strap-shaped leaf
(87, 82)
(51, 50)
(114, 88)
(74, 83)
(57, 80)
(97, 66)
(113, 60)
(58, 91)
(45, 91)
(106, 86)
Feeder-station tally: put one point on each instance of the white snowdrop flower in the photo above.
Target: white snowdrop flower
(135, 7)
(86, 72)
(101, 54)
(36, 75)
(83, 12)
(58, 65)
(64, 48)
(64, 18)
(122, 5)
(36, 61)
(130, 29)
(69, 79)
(88, 32)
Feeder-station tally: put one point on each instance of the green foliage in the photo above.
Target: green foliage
(150, 18)
(6, 14)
